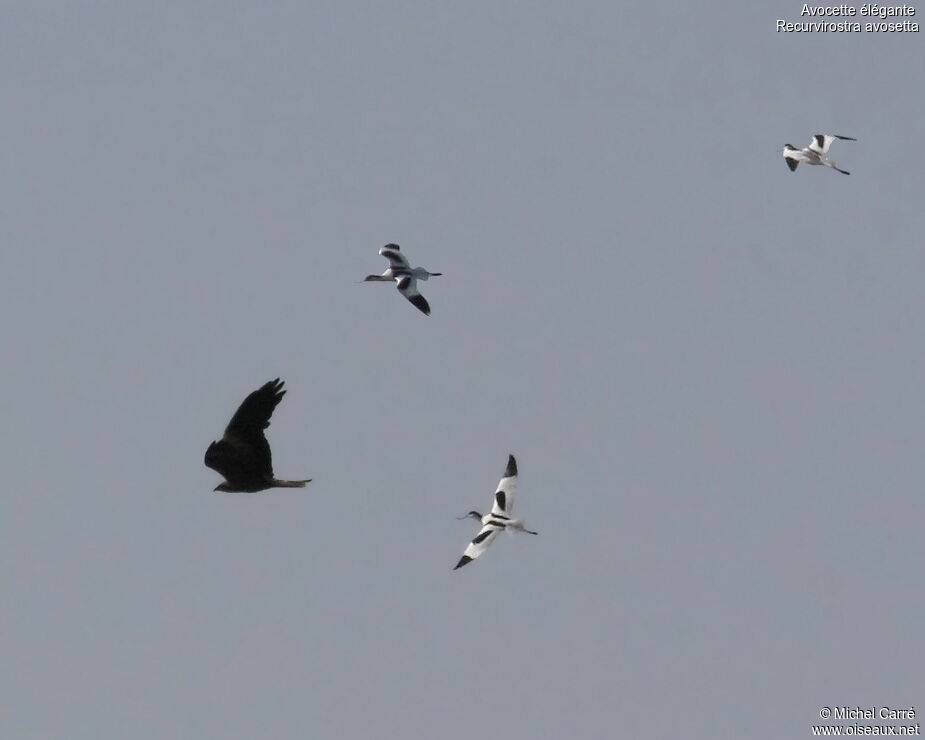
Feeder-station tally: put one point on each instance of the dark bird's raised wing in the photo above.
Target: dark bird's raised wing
(243, 453)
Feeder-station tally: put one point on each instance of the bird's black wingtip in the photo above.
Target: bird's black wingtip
(462, 561)
(511, 470)
(421, 303)
(211, 455)
(273, 385)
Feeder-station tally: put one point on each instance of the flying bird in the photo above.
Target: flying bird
(499, 519)
(815, 153)
(242, 455)
(404, 275)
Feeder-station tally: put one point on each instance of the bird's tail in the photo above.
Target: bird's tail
(290, 483)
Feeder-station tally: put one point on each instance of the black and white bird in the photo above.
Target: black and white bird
(498, 520)
(242, 455)
(404, 275)
(815, 153)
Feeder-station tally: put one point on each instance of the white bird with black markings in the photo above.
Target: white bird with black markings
(815, 153)
(404, 275)
(498, 520)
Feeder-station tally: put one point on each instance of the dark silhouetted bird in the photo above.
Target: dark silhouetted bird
(242, 455)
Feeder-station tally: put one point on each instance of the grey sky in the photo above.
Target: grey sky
(710, 369)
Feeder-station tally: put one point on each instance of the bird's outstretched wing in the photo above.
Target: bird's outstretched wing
(397, 260)
(243, 453)
(408, 287)
(791, 163)
(504, 496)
(479, 544)
(822, 142)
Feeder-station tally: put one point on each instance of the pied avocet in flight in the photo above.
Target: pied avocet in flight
(499, 518)
(815, 153)
(404, 275)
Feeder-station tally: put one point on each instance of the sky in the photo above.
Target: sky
(708, 367)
